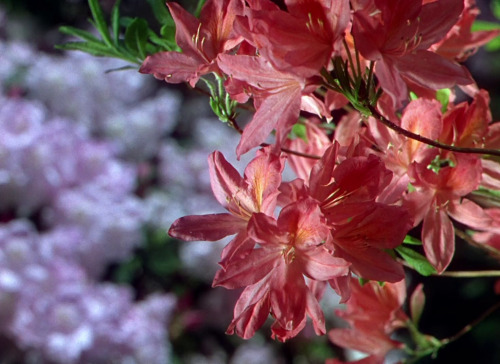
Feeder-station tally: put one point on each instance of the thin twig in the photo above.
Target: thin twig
(234, 125)
(294, 152)
(417, 137)
(459, 274)
(470, 274)
(464, 236)
(470, 326)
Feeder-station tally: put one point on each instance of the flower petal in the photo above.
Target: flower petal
(205, 227)
(438, 238)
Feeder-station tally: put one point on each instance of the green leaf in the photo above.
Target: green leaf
(416, 260)
(115, 21)
(126, 20)
(96, 49)
(300, 131)
(197, 11)
(99, 21)
(328, 126)
(78, 33)
(481, 25)
(128, 271)
(340, 71)
(168, 33)
(161, 12)
(163, 44)
(136, 37)
(487, 192)
(486, 196)
(495, 8)
(437, 163)
(493, 45)
(410, 240)
(443, 96)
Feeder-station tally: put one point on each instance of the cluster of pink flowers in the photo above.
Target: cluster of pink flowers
(358, 191)
(373, 312)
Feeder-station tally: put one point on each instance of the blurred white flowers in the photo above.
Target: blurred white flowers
(68, 143)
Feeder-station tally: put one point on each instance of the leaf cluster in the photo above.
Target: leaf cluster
(129, 39)
(220, 101)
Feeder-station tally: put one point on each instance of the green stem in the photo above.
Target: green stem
(351, 62)
(471, 274)
(460, 274)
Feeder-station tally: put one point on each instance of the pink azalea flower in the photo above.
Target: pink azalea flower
(439, 194)
(290, 248)
(361, 227)
(398, 36)
(200, 40)
(460, 42)
(373, 313)
(256, 192)
(298, 41)
(276, 95)
(316, 144)
(422, 117)
(467, 124)
(442, 180)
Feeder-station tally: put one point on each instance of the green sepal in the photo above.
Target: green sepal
(363, 281)
(437, 163)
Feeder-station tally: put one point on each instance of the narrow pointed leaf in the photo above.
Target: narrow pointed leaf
(115, 21)
(96, 49)
(168, 34)
(410, 240)
(164, 44)
(99, 21)
(78, 33)
(416, 260)
(160, 12)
